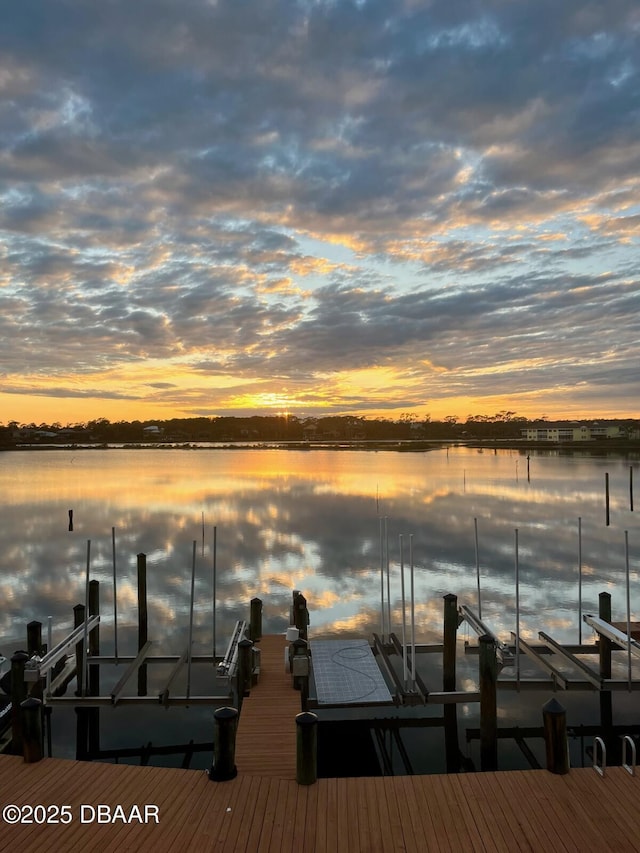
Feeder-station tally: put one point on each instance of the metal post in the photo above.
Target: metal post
(386, 553)
(606, 497)
(142, 620)
(579, 581)
(193, 586)
(86, 610)
(517, 568)
(115, 593)
(49, 647)
(626, 555)
(413, 615)
(215, 530)
(475, 527)
(381, 581)
(404, 615)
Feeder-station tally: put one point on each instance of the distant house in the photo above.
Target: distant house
(572, 432)
(152, 431)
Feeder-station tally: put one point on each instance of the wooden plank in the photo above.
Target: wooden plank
(332, 838)
(321, 814)
(301, 815)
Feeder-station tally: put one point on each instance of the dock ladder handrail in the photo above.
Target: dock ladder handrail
(228, 664)
(627, 741)
(601, 769)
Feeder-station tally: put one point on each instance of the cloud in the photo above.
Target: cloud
(289, 193)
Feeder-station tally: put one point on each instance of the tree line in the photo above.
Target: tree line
(280, 427)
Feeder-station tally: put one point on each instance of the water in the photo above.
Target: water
(309, 520)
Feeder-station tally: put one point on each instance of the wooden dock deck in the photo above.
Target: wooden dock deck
(264, 809)
(266, 738)
(504, 811)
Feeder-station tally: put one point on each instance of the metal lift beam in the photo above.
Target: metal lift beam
(588, 673)
(560, 679)
(605, 629)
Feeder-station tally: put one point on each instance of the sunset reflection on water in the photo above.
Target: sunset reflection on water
(309, 520)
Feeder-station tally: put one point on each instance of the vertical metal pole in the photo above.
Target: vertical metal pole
(193, 586)
(626, 554)
(579, 580)
(475, 526)
(381, 582)
(386, 550)
(404, 614)
(413, 615)
(85, 661)
(115, 593)
(215, 531)
(606, 498)
(631, 487)
(49, 647)
(517, 614)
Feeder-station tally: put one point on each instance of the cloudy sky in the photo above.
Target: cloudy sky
(374, 206)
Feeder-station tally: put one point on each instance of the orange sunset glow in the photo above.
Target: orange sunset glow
(319, 208)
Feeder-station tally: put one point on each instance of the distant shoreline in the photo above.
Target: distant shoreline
(629, 447)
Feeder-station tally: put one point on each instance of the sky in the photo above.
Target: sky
(375, 207)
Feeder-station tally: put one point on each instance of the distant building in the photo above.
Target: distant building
(572, 432)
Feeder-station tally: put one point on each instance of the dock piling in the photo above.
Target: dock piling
(18, 695)
(488, 703)
(554, 718)
(306, 748)
(34, 638)
(31, 720)
(300, 613)
(245, 660)
(449, 682)
(604, 652)
(78, 619)
(224, 745)
(255, 619)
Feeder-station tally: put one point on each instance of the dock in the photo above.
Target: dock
(266, 739)
(504, 811)
(107, 807)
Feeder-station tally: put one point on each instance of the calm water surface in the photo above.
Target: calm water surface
(310, 521)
